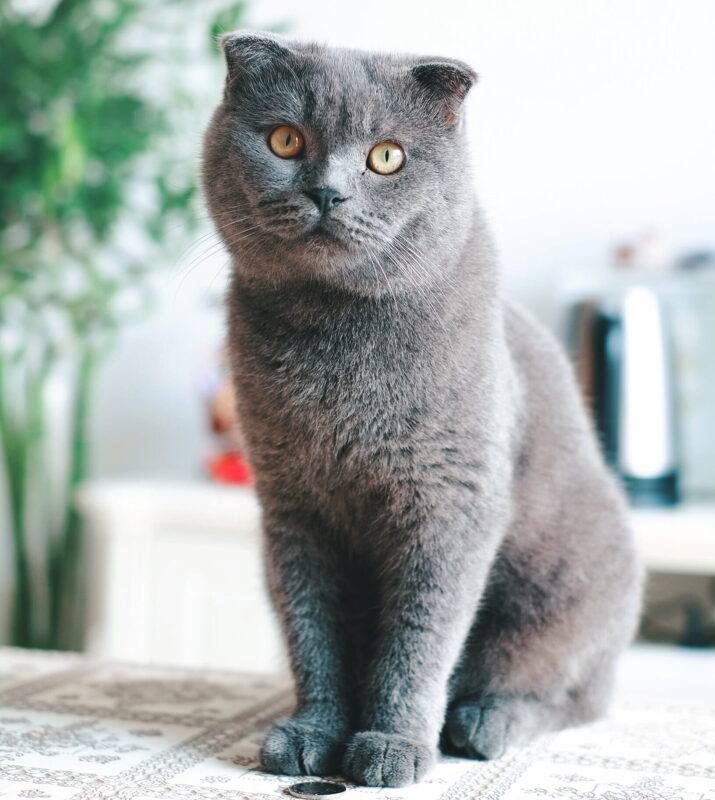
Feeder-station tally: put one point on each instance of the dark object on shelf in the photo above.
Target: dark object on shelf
(621, 343)
(691, 616)
(696, 260)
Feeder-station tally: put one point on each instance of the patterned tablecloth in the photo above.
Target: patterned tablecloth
(75, 729)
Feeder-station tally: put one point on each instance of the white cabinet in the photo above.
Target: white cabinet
(176, 576)
(176, 573)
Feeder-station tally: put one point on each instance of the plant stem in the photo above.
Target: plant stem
(36, 469)
(15, 460)
(67, 567)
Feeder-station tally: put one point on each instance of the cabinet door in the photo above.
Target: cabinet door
(210, 605)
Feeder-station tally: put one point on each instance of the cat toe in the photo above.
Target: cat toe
(374, 758)
(296, 748)
(479, 728)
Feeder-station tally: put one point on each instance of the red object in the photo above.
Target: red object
(231, 468)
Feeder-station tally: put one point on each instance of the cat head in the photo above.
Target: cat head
(334, 164)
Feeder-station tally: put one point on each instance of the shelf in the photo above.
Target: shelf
(679, 539)
(170, 502)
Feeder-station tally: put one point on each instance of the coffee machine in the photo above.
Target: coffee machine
(622, 346)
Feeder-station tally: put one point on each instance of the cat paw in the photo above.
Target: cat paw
(481, 728)
(386, 759)
(293, 747)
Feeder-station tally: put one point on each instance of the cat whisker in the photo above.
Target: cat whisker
(407, 273)
(212, 250)
(389, 285)
(209, 252)
(220, 270)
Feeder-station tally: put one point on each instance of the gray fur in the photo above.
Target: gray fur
(448, 554)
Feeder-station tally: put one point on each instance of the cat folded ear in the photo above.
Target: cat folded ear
(447, 81)
(250, 51)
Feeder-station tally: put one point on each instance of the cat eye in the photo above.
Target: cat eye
(386, 158)
(286, 142)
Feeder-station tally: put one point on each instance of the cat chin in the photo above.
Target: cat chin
(323, 250)
(332, 267)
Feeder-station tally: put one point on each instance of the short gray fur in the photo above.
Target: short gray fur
(448, 554)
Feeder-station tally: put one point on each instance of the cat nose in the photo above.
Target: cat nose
(325, 198)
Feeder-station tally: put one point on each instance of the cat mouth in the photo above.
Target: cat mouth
(327, 232)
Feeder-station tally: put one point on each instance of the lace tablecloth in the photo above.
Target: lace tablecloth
(71, 728)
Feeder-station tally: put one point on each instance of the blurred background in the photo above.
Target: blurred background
(127, 522)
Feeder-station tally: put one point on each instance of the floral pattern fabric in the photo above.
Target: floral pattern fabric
(74, 729)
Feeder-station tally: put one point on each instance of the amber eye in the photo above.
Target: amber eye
(286, 142)
(386, 158)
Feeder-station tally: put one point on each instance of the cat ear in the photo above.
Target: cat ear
(248, 51)
(448, 82)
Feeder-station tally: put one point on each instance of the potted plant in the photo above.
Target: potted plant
(91, 187)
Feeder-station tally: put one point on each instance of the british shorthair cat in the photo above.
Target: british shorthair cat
(448, 554)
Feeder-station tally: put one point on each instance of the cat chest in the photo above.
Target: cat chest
(339, 419)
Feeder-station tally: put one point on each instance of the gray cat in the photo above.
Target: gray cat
(448, 554)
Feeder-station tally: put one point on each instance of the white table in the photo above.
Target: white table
(75, 729)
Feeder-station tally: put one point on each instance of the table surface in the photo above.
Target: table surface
(74, 729)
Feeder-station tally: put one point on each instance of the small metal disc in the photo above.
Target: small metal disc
(315, 790)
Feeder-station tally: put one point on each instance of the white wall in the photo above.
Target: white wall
(592, 120)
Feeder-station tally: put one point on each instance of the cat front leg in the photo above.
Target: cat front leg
(304, 583)
(431, 590)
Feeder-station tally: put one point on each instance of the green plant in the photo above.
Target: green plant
(91, 187)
